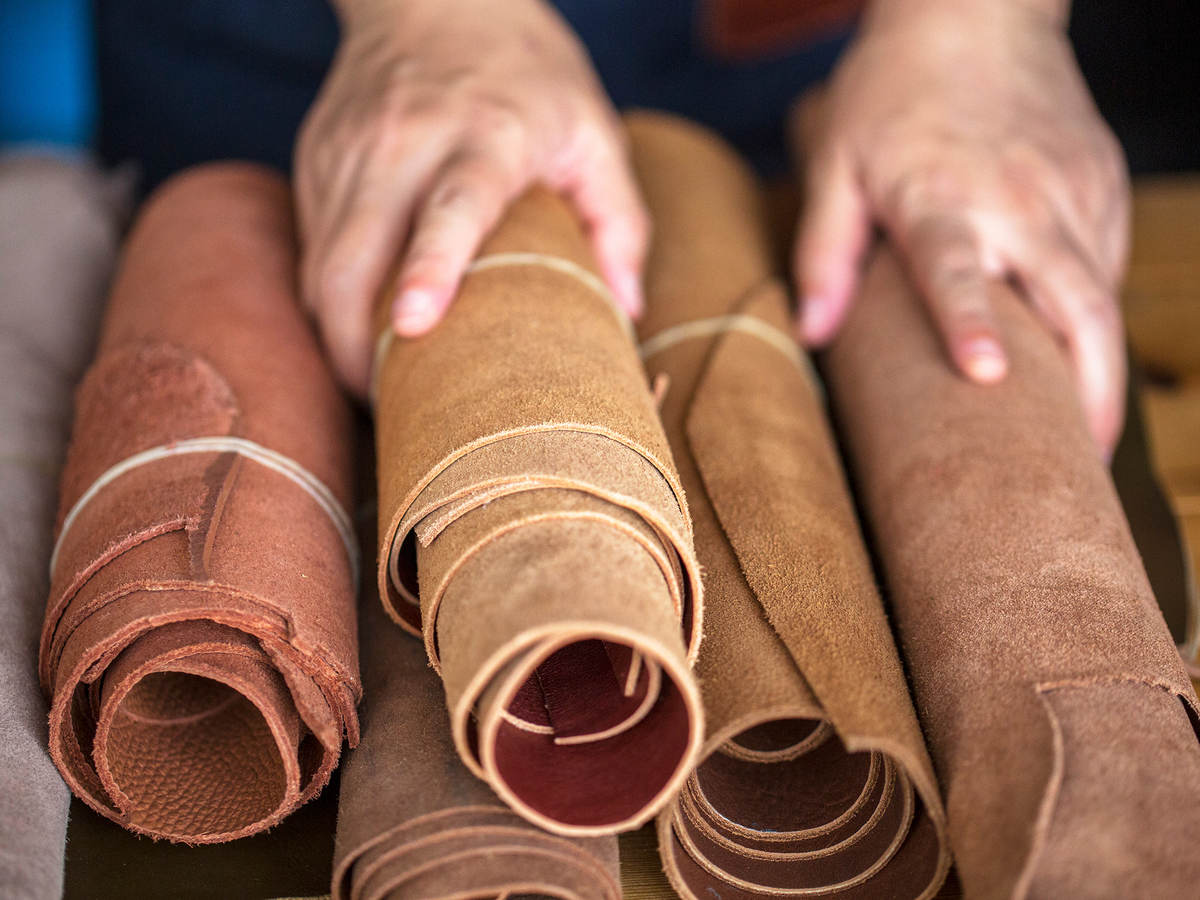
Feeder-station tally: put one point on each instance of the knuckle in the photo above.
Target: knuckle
(459, 193)
(958, 275)
(917, 191)
(499, 124)
(1027, 200)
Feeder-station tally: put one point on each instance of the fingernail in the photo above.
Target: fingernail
(629, 292)
(984, 360)
(811, 312)
(413, 312)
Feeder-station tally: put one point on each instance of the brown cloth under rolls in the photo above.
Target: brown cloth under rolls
(1055, 704)
(524, 476)
(816, 780)
(199, 642)
(414, 824)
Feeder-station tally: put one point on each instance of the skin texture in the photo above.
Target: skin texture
(962, 127)
(965, 130)
(433, 117)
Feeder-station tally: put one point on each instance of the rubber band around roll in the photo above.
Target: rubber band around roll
(503, 260)
(264, 456)
(717, 325)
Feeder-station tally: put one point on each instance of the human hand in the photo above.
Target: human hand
(967, 132)
(434, 116)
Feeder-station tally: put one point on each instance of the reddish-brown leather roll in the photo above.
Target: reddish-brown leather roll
(525, 479)
(816, 780)
(199, 643)
(414, 824)
(1056, 707)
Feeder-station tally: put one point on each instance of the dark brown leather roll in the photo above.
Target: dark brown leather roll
(414, 823)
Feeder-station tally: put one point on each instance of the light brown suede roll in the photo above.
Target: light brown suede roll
(525, 479)
(816, 780)
(1057, 710)
(413, 823)
(199, 642)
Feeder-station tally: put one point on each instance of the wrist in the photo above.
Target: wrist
(888, 14)
(420, 14)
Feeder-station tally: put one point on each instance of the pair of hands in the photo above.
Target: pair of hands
(963, 129)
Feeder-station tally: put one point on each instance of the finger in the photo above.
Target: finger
(834, 230)
(321, 206)
(605, 194)
(1091, 204)
(346, 267)
(1084, 312)
(463, 204)
(942, 252)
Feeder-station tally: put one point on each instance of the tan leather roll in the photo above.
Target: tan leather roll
(1056, 707)
(414, 823)
(816, 780)
(199, 642)
(525, 482)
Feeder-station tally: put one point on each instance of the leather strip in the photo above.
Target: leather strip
(264, 456)
(502, 260)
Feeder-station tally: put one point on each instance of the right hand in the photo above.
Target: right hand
(434, 116)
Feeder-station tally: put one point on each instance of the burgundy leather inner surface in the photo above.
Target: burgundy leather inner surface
(778, 734)
(814, 821)
(908, 871)
(809, 791)
(601, 781)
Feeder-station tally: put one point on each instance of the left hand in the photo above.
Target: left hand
(967, 132)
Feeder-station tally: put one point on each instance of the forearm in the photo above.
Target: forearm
(423, 13)
(885, 13)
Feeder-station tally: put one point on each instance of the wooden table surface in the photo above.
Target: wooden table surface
(1162, 314)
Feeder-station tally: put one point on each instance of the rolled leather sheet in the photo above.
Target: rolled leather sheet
(199, 642)
(525, 481)
(1056, 707)
(414, 824)
(816, 780)
(60, 225)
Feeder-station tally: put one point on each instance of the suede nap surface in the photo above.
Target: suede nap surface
(59, 228)
(414, 824)
(1056, 707)
(526, 484)
(816, 780)
(199, 642)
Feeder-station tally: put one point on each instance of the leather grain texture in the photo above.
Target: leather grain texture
(414, 823)
(199, 643)
(816, 780)
(533, 528)
(1040, 662)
